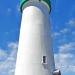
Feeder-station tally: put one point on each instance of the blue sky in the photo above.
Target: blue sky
(63, 34)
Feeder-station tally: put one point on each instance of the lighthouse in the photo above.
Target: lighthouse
(35, 55)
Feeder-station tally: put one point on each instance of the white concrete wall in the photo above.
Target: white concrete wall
(34, 43)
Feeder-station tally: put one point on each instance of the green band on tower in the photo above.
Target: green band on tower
(22, 2)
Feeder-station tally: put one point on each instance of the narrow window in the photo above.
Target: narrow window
(44, 59)
(56, 72)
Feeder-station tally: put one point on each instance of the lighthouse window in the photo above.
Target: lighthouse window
(56, 72)
(44, 59)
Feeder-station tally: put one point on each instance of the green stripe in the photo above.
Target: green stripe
(22, 2)
(49, 3)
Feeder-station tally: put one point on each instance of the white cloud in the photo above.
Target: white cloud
(64, 30)
(7, 66)
(9, 10)
(73, 32)
(65, 59)
(55, 34)
(13, 45)
(71, 22)
(3, 55)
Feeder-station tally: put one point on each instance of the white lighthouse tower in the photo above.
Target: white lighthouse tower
(35, 56)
